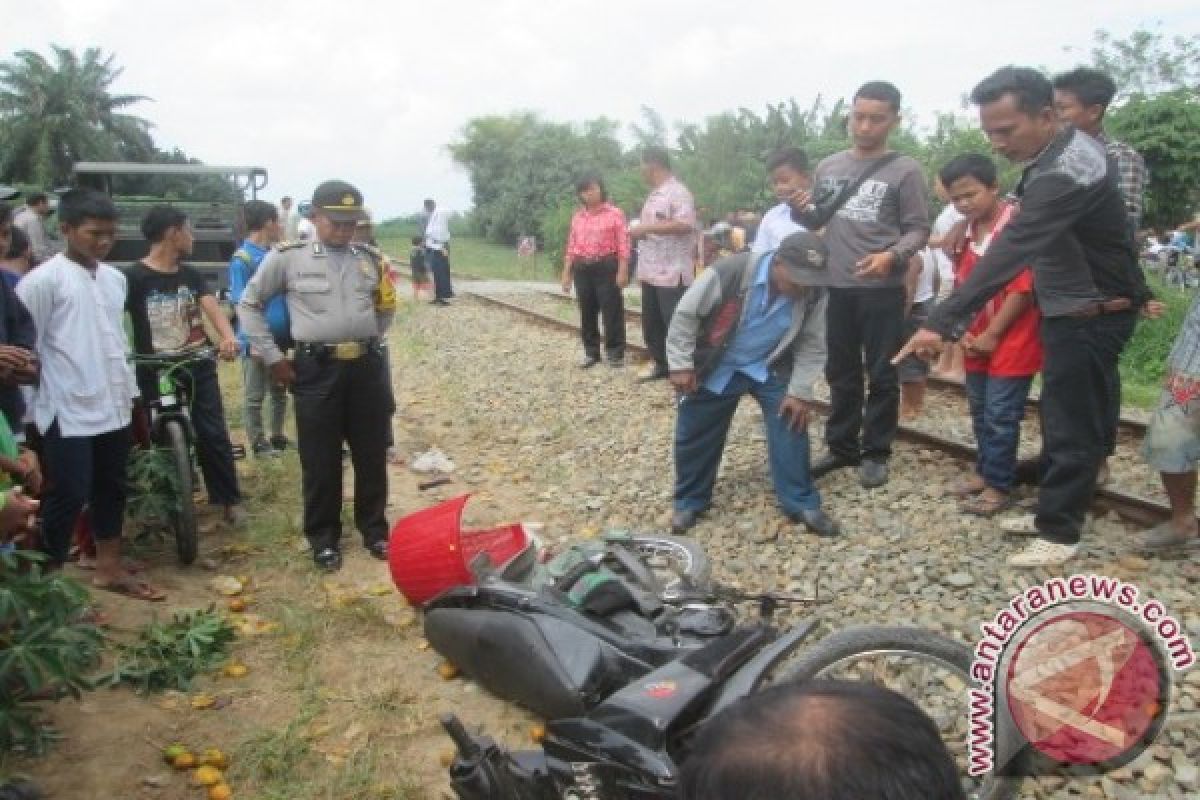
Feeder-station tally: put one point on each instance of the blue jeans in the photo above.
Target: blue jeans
(700, 431)
(997, 407)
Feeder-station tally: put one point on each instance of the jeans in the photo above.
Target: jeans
(700, 430)
(256, 381)
(1076, 407)
(863, 324)
(997, 406)
(599, 296)
(658, 306)
(439, 265)
(83, 470)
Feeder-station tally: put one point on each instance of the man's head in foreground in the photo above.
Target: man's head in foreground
(821, 740)
(1016, 111)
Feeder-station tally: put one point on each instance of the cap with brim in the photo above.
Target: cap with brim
(339, 201)
(806, 257)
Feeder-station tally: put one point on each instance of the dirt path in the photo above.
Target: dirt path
(340, 702)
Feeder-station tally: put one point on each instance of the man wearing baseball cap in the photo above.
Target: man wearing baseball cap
(753, 323)
(340, 304)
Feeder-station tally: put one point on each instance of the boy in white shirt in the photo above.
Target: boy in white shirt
(790, 174)
(84, 402)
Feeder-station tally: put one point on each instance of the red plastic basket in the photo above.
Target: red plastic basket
(429, 552)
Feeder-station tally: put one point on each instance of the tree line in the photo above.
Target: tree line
(522, 168)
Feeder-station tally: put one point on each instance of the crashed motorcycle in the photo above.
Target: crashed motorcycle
(625, 647)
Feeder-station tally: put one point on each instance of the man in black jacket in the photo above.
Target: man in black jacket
(1072, 228)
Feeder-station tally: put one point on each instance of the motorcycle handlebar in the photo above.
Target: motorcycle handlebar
(468, 748)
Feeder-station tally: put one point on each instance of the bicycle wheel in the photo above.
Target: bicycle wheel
(183, 516)
(929, 669)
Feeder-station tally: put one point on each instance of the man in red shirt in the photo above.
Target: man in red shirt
(597, 257)
(1002, 346)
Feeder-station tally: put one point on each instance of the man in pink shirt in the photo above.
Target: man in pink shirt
(666, 237)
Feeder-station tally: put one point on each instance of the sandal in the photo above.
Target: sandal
(967, 487)
(983, 506)
(130, 565)
(130, 586)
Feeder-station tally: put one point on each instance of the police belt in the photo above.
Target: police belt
(339, 351)
(1113, 306)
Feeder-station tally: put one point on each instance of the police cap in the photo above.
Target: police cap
(339, 201)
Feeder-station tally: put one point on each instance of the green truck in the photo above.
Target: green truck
(212, 197)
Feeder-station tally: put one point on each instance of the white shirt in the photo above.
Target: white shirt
(945, 267)
(929, 267)
(87, 380)
(437, 231)
(777, 224)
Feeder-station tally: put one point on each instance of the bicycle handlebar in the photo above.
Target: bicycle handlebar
(174, 360)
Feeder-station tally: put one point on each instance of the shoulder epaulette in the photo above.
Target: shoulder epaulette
(368, 248)
(281, 246)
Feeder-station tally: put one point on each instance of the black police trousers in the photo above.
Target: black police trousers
(351, 402)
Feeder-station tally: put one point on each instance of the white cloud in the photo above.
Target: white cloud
(371, 91)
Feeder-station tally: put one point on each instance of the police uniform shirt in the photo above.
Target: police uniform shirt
(333, 295)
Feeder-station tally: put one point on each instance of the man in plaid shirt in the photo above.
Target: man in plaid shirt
(1081, 97)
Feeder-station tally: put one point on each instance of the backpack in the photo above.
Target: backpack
(276, 311)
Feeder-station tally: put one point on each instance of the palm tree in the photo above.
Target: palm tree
(52, 115)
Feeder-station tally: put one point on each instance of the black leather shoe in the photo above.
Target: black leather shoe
(683, 520)
(830, 462)
(873, 474)
(616, 361)
(588, 362)
(379, 549)
(329, 560)
(817, 521)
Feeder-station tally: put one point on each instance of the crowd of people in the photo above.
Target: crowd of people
(848, 266)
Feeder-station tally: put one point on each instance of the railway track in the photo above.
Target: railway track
(1128, 426)
(1135, 508)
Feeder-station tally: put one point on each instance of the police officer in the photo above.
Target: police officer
(340, 302)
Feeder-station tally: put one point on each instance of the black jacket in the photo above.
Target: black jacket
(1071, 228)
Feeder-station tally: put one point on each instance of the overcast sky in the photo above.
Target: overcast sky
(372, 91)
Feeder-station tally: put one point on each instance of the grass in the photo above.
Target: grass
(1143, 364)
(473, 255)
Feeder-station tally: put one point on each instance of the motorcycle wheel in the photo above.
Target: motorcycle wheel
(672, 559)
(860, 653)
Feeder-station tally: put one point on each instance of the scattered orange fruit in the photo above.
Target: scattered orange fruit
(237, 604)
(220, 791)
(447, 671)
(213, 757)
(203, 701)
(537, 733)
(447, 757)
(183, 761)
(173, 751)
(206, 776)
(236, 670)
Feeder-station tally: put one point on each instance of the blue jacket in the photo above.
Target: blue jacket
(242, 267)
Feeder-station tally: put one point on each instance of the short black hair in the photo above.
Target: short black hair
(259, 214)
(429, 204)
(78, 205)
(591, 179)
(1030, 89)
(974, 165)
(882, 91)
(161, 219)
(658, 156)
(5, 213)
(34, 198)
(18, 245)
(287, 198)
(792, 157)
(417, 241)
(1091, 86)
(834, 740)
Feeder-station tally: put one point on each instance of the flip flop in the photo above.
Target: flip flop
(132, 587)
(965, 488)
(980, 506)
(130, 565)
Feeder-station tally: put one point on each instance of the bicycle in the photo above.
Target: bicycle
(171, 431)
